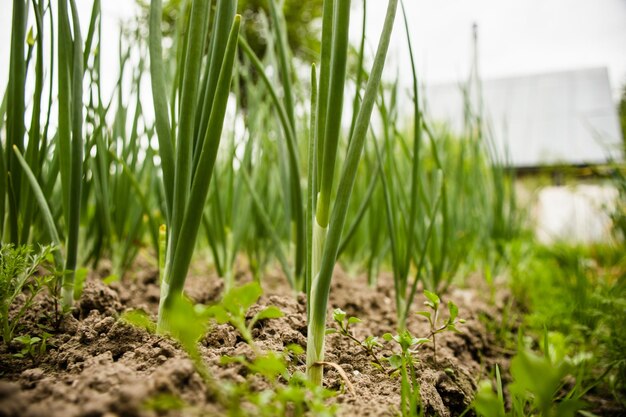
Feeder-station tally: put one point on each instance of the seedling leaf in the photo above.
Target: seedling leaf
(454, 311)
(395, 361)
(218, 313)
(111, 279)
(424, 314)
(79, 282)
(294, 349)
(339, 315)
(270, 365)
(242, 297)
(433, 298)
(271, 312)
(139, 318)
(452, 328)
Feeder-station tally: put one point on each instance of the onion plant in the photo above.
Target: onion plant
(328, 221)
(289, 166)
(122, 184)
(23, 168)
(268, 187)
(226, 229)
(188, 141)
(245, 171)
(408, 217)
(296, 200)
(70, 136)
(364, 193)
(15, 117)
(248, 171)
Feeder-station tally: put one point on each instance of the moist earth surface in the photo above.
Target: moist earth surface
(99, 365)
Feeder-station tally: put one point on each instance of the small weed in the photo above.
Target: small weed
(19, 271)
(287, 393)
(537, 385)
(33, 347)
(370, 344)
(139, 318)
(234, 307)
(433, 302)
(402, 363)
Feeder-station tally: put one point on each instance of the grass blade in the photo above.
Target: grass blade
(43, 206)
(160, 102)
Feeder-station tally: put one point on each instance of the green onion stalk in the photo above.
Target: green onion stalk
(68, 157)
(328, 222)
(401, 213)
(70, 137)
(188, 153)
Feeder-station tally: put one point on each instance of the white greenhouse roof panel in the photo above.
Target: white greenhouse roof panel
(541, 120)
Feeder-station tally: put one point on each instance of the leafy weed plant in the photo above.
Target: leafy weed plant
(437, 326)
(537, 389)
(20, 270)
(370, 344)
(288, 393)
(401, 363)
(234, 307)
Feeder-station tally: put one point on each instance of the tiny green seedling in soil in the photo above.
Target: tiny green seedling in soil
(234, 307)
(139, 318)
(287, 393)
(189, 322)
(33, 347)
(370, 345)
(434, 303)
(404, 364)
(163, 402)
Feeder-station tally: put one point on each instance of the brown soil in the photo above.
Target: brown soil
(97, 365)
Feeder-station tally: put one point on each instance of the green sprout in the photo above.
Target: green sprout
(33, 347)
(433, 302)
(538, 386)
(234, 307)
(404, 364)
(370, 344)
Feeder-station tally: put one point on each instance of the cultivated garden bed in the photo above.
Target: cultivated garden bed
(97, 363)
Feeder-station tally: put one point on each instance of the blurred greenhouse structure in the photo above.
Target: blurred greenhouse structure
(539, 120)
(552, 122)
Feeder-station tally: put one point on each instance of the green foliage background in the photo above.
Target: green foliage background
(303, 21)
(303, 24)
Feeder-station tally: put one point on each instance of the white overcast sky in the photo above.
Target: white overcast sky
(516, 37)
